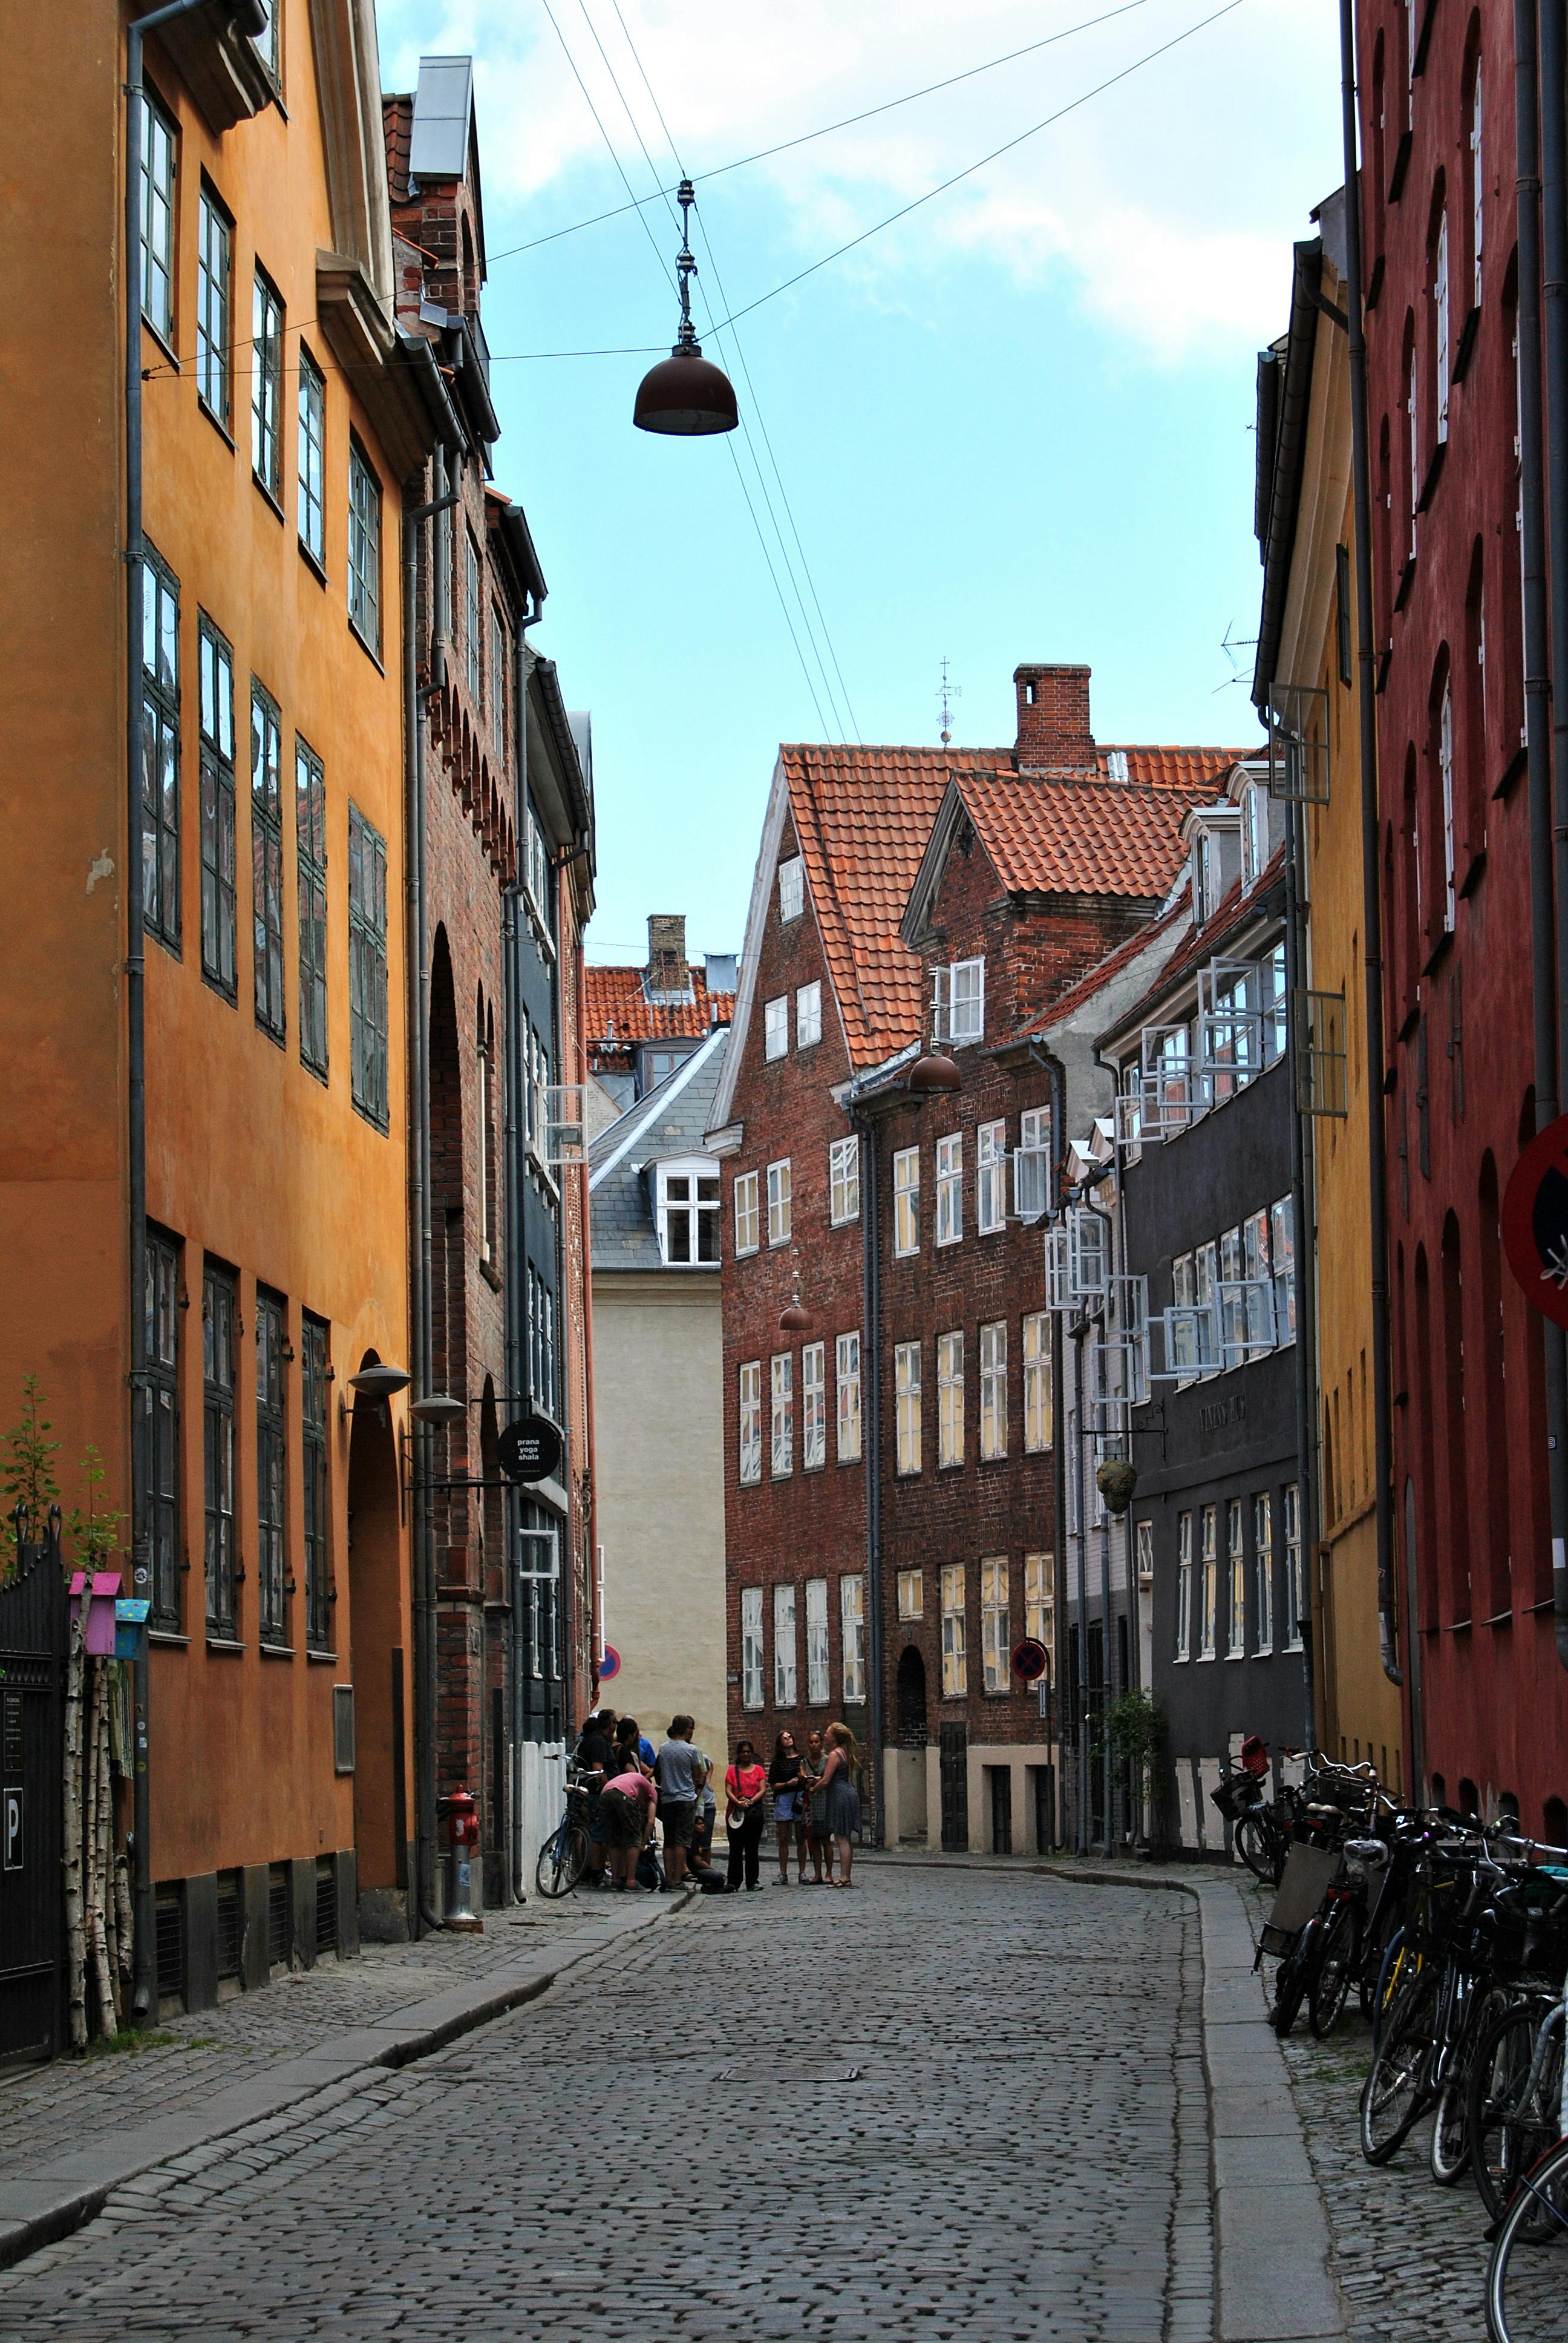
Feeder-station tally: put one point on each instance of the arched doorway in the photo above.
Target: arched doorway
(376, 1664)
(909, 1757)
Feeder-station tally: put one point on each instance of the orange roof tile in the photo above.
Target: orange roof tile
(1176, 768)
(1051, 835)
(617, 998)
(397, 127)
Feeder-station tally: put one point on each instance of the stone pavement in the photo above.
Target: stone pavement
(964, 2106)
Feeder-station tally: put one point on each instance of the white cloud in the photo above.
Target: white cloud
(1147, 196)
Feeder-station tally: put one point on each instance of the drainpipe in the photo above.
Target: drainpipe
(1372, 900)
(1306, 1429)
(1537, 737)
(421, 1329)
(871, 1399)
(1060, 1629)
(516, 1145)
(1554, 210)
(252, 18)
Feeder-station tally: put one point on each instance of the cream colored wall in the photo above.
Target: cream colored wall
(659, 1499)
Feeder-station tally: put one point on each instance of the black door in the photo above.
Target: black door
(954, 1750)
(32, 1664)
(1000, 1809)
(912, 1732)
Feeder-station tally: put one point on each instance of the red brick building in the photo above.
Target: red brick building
(1439, 223)
(890, 1484)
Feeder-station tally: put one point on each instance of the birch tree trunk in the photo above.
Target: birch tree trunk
(91, 1884)
(125, 1926)
(75, 1942)
(109, 1962)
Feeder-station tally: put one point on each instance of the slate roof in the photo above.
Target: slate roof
(619, 996)
(670, 1121)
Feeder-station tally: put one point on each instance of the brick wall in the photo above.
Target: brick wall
(1053, 716)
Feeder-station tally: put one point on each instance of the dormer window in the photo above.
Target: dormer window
(688, 1213)
(959, 1002)
(1255, 833)
(791, 888)
(1202, 878)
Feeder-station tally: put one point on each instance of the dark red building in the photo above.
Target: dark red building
(1489, 1714)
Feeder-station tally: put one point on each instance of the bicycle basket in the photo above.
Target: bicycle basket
(1236, 1793)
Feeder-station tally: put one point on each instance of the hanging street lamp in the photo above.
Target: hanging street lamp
(683, 395)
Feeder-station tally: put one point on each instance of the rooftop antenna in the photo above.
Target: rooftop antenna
(946, 695)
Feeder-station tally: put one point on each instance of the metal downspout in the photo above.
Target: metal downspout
(871, 1387)
(1372, 900)
(1554, 62)
(1306, 1439)
(1537, 731)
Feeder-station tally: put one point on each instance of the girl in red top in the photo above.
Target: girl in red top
(744, 1782)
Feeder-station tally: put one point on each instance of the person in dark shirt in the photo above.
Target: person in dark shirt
(595, 1757)
(787, 1779)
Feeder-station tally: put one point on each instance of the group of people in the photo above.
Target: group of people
(631, 1786)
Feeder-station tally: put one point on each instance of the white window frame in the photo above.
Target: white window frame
(1038, 1394)
(906, 1202)
(990, 1178)
(781, 1414)
(1209, 1566)
(1440, 293)
(1183, 1586)
(955, 1635)
(748, 1422)
(1263, 1573)
(791, 888)
(843, 1181)
(907, 1439)
(784, 1672)
(819, 1683)
(160, 151)
(1283, 1262)
(1445, 777)
(957, 1003)
(912, 1590)
(698, 1211)
(813, 1406)
(780, 1203)
(846, 1366)
(1254, 834)
(1039, 1601)
(1477, 184)
(996, 1662)
(950, 1398)
(1032, 1165)
(1143, 1540)
(1236, 1561)
(950, 1187)
(776, 1028)
(748, 1227)
(1296, 1586)
(852, 1635)
(993, 1390)
(753, 1653)
(808, 1014)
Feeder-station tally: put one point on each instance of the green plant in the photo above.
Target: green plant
(94, 1536)
(1132, 1729)
(27, 1473)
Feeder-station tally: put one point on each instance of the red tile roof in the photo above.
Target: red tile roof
(1061, 835)
(397, 128)
(1175, 768)
(616, 997)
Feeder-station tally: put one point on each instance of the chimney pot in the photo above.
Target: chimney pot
(1053, 718)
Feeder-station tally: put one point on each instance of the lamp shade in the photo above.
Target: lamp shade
(935, 1071)
(685, 397)
(796, 1319)
(439, 1410)
(378, 1382)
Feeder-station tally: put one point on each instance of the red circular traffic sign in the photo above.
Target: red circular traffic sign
(1535, 1221)
(1030, 1659)
(609, 1663)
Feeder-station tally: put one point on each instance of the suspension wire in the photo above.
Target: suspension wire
(806, 137)
(664, 266)
(756, 402)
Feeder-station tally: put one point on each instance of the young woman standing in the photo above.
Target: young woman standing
(745, 1780)
(819, 1837)
(792, 1804)
(843, 1799)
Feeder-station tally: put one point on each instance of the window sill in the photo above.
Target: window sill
(945, 1244)
(491, 1275)
(369, 649)
(850, 1460)
(907, 1253)
(270, 1033)
(1433, 474)
(170, 355)
(1205, 1657)
(223, 1643)
(1466, 349)
(1264, 1651)
(1473, 875)
(214, 984)
(170, 1635)
(1516, 765)
(1374, 283)
(1406, 580)
(277, 1651)
(218, 425)
(322, 1659)
(316, 567)
(269, 496)
(1438, 953)
(377, 1123)
(950, 1464)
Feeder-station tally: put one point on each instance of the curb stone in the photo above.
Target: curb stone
(1271, 2276)
(40, 2209)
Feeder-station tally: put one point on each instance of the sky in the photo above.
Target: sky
(1016, 424)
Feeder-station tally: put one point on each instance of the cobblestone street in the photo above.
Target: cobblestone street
(961, 2105)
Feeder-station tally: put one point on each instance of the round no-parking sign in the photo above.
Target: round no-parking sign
(1535, 1221)
(609, 1663)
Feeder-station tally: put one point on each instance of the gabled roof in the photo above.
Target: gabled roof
(669, 1122)
(618, 997)
(1233, 912)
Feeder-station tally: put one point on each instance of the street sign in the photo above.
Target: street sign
(609, 1663)
(529, 1450)
(1535, 1221)
(1030, 1659)
(11, 1825)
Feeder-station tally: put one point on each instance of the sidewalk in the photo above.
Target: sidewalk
(73, 2131)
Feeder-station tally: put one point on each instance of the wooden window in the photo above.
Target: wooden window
(473, 602)
(993, 1388)
(1236, 1556)
(780, 1205)
(907, 1406)
(949, 1225)
(160, 753)
(784, 1693)
(1183, 1586)
(852, 1636)
(1262, 1574)
(160, 147)
(1295, 1568)
(746, 1219)
(960, 1002)
(1038, 1427)
(808, 1016)
(996, 1662)
(819, 1688)
(911, 1594)
(217, 820)
(906, 1202)
(844, 1182)
(1031, 1164)
(310, 837)
(775, 1027)
(311, 458)
(950, 1399)
(1039, 1600)
(687, 1214)
(848, 1378)
(219, 1315)
(271, 1469)
(314, 1361)
(215, 269)
(498, 683)
(749, 1420)
(782, 1374)
(1208, 1521)
(813, 1406)
(266, 860)
(267, 384)
(158, 1425)
(368, 968)
(990, 1178)
(955, 1651)
(1283, 1262)
(752, 1694)
(364, 549)
(792, 887)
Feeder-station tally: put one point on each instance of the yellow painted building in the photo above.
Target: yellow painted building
(281, 414)
(1308, 649)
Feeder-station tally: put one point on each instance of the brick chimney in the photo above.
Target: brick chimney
(1053, 716)
(666, 969)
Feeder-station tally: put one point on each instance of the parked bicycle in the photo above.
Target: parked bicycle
(563, 1858)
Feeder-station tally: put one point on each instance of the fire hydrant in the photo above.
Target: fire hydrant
(463, 1835)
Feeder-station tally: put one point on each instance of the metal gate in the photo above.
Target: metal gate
(32, 1728)
(954, 1761)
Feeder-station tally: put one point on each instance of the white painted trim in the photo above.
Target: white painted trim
(751, 947)
(655, 1105)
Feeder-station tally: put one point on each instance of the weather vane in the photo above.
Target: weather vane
(946, 695)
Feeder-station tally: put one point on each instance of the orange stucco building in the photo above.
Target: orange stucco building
(282, 411)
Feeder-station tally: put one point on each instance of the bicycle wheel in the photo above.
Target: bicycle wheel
(1449, 2154)
(562, 1859)
(1398, 1966)
(1254, 1845)
(1294, 1975)
(1508, 2128)
(1394, 2094)
(1331, 1985)
(1527, 2277)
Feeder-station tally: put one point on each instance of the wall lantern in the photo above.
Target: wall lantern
(685, 396)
